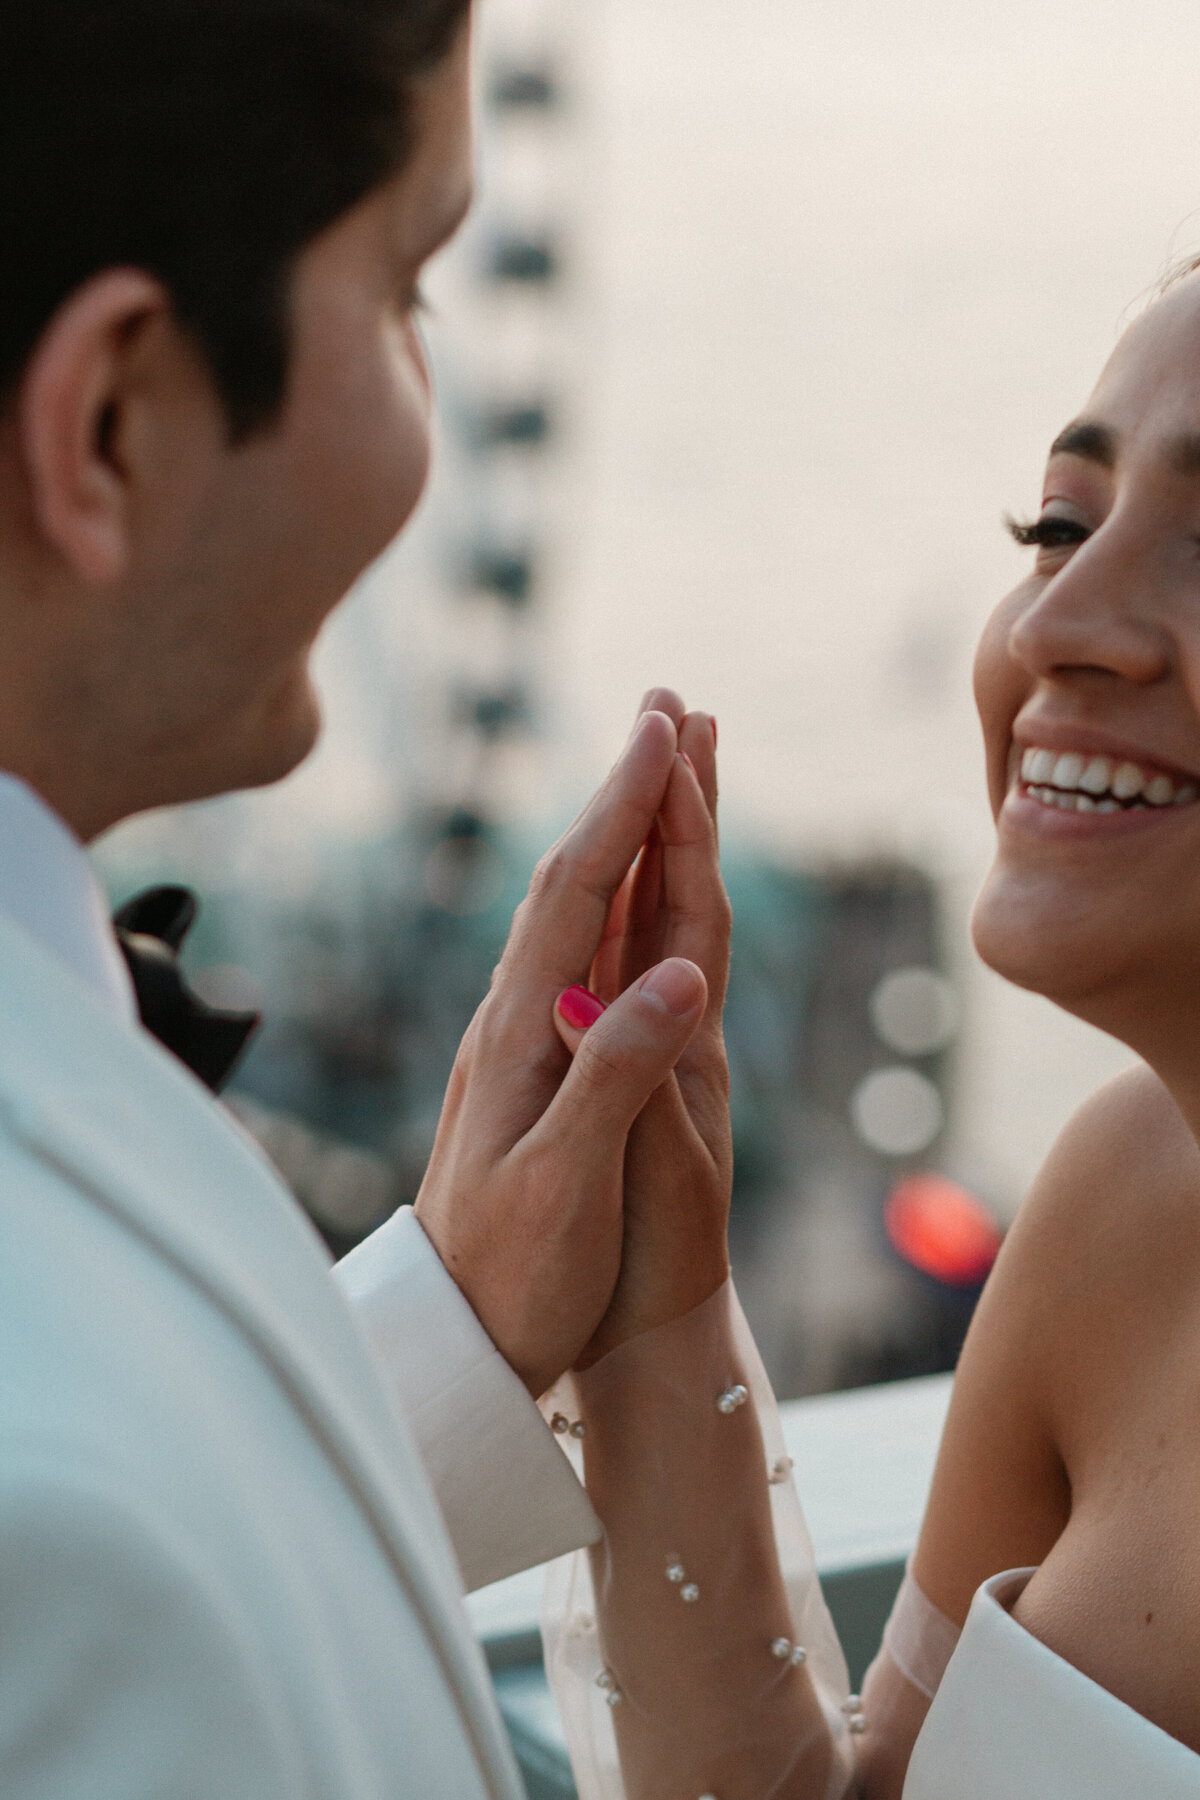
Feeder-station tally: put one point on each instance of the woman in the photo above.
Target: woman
(1071, 1456)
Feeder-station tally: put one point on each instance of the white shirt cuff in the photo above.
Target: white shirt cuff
(508, 1494)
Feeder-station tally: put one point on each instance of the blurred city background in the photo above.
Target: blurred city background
(765, 315)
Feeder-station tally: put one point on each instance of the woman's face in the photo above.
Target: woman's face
(1088, 687)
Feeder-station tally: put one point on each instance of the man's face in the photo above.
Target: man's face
(275, 530)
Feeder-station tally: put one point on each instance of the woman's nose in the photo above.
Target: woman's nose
(1097, 614)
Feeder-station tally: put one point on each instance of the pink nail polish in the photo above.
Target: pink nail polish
(713, 723)
(684, 757)
(578, 1007)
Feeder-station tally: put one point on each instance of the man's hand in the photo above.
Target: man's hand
(523, 1196)
(679, 1162)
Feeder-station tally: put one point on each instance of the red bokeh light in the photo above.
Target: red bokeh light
(941, 1229)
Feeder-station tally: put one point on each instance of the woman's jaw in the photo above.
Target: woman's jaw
(1095, 889)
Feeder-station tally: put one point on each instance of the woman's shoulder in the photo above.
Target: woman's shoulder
(1105, 1245)
(1115, 1204)
(1105, 1257)
(1114, 1212)
(1126, 1151)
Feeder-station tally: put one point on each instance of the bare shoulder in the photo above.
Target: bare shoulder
(1127, 1155)
(1117, 1200)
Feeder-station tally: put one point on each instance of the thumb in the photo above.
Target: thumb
(623, 1052)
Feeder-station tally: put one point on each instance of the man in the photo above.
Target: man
(222, 1568)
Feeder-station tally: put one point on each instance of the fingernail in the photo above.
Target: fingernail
(684, 757)
(674, 985)
(713, 723)
(579, 1008)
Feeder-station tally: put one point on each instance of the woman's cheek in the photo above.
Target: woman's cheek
(1002, 685)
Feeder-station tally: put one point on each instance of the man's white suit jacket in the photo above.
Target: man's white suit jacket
(223, 1572)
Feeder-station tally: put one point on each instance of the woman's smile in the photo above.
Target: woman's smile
(1088, 791)
(1075, 781)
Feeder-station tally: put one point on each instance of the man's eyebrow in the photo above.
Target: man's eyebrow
(1096, 442)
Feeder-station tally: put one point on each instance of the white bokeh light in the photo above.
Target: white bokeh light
(915, 1011)
(896, 1111)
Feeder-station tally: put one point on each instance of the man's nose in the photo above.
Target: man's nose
(1098, 614)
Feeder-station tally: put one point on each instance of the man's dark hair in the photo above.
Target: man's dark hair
(204, 141)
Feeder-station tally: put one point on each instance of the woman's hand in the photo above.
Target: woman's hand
(523, 1196)
(678, 1163)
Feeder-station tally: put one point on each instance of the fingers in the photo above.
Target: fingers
(696, 907)
(629, 944)
(663, 700)
(558, 928)
(605, 978)
(646, 914)
(645, 920)
(627, 1052)
(698, 740)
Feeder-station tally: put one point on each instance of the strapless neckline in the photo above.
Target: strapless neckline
(1012, 1720)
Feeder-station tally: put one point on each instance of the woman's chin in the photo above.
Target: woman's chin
(1043, 942)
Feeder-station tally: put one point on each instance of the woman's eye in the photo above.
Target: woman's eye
(1051, 532)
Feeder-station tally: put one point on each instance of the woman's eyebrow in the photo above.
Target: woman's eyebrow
(1098, 443)
(1082, 438)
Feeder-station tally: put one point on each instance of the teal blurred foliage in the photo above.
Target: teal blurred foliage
(370, 982)
(370, 977)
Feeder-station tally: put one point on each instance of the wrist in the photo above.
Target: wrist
(635, 1313)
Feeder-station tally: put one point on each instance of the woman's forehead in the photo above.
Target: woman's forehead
(1152, 379)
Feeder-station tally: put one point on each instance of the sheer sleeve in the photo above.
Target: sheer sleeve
(690, 1651)
(918, 1642)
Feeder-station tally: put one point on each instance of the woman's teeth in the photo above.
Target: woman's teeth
(1077, 783)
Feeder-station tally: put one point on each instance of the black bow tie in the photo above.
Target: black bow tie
(150, 929)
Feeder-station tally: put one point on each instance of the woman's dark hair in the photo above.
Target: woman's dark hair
(204, 141)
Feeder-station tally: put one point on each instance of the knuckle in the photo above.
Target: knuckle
(600, 1064)
(569, 866)
(464, 1056)
(695, 914)
(550, 873)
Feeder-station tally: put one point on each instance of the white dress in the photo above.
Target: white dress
(1013, 1721)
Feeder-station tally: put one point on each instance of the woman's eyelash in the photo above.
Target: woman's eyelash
(1050, 532)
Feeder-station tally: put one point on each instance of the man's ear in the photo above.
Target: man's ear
(72, 408)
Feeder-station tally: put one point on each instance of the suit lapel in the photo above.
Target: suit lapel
(136, 1133)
